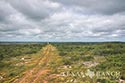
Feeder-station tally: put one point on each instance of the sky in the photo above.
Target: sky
(62, 20)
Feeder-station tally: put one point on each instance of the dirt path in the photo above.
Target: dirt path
(37, 76)
(34, 75)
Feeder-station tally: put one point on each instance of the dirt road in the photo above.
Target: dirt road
(35, 75)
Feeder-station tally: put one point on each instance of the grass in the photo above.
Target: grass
(17, 59)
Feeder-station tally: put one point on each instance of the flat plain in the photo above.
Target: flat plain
(62, 62)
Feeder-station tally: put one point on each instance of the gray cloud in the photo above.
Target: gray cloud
(96, 6)
(5, 10)
(35, 9)
(86, 20)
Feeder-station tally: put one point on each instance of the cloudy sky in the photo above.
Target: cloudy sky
(62, 20)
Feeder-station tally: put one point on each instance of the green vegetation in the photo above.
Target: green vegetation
(12, 50)
(74, 57)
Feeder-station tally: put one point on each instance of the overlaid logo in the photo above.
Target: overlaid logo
(112, 75)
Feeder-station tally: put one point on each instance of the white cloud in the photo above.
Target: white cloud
(48, 20)
(30, 31)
